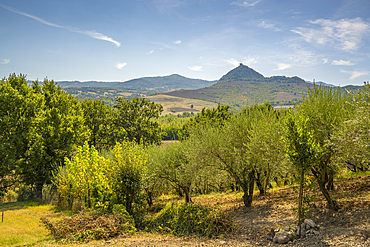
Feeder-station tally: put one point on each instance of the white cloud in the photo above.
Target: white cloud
(150, 52)
(263, 24)
(247, 3)
(342, 62)
(355, 74)
(232, 61)
(344, 34)
(120, 65)
(325, 60)
(4, 61)
(92, 34)
(283, 66)
(96, 35)
(177, 42)
(195, 68)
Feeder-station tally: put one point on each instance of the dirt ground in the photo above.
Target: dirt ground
(350, 226)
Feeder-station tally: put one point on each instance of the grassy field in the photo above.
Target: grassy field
(176, 105)
(21, 224)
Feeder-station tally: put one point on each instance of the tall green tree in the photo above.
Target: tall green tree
(325, 108)
(61, 130)
(351, 140)
(238, 148)
(20, 113)
(176, 164)
(99, 119)
(212, 116)
(135, 119)
(301, 150)
(40, 126)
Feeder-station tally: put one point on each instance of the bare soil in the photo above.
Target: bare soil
(350, 226)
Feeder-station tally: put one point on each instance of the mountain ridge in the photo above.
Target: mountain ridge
(157, 84)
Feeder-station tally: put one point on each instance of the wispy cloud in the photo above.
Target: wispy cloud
(232, 61)
(92, 34)
(283, 66)
(266, 25)
(345, 34)
(177, 42)
(246, 60)
(325, 60)
(355, 74)
(246, 3)
(249, 60)
(342, 62)
(150, 52)
(120, 65)
(195, 68)
(165, 6)
(96, 35)
(4, 61)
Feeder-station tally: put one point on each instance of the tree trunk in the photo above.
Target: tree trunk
(300, 202)
(330, 185)
(178, 189)
(248, 190)
(331, 204)
(38, 191)
(149, 198)
(187, 194)
(260, 186)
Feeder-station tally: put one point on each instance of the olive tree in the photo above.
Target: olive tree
(325, 108)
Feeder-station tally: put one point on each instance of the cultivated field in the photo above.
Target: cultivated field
(176, 105)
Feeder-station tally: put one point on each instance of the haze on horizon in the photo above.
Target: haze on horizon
(121, 40)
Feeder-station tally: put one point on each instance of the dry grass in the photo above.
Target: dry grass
(22, 226)
(180, 105)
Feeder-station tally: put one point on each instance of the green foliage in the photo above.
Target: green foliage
(191, 219)
(176, 164)
(99, 119)
(215, 117)
(88, 226)
(302, 151)
(40, 126)
(171, 133)
(136, 119)
(128, 175)
(20, 111)
(301, 147)
(102, 182)
(85, 176)
(246, 147)
(325, 109)
(351, 140)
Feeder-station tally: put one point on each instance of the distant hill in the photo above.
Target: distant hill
(243, 86)
(322, 83)
(159, 84)
(242, 72)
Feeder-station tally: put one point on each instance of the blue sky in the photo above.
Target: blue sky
(118, 40)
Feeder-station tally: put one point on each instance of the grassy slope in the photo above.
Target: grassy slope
(244, 93)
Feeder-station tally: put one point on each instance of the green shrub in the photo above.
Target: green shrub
(92, 225)
(191, 219)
